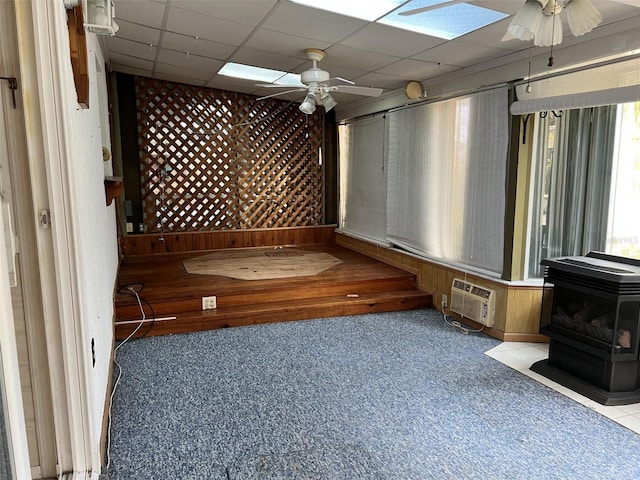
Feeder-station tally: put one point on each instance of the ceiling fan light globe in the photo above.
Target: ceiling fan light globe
(549, 32)
(308, 105)
(328, 102)
(526, 21)
(582, 16)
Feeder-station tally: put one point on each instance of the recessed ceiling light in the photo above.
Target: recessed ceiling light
(259, 74)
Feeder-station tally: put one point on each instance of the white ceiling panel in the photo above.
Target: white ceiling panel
(311, 23)
(138, 33)
(273, 61)
(142, 12)
(390, 41)
(133, 62)
(412, 69)
(199, 76)
(381, 80)
(283, 43)
(189, 61)
(197, 46)
(246, 12)
(463, 53)
(209, 28)
(131, 70)
(133, 49)
(361, 59)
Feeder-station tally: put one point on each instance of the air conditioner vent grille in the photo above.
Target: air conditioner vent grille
(473, 302)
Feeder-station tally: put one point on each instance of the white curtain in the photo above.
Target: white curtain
(446, 179)
(363, 179)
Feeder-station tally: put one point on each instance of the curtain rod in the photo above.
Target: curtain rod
(427, 101)
(582, 68)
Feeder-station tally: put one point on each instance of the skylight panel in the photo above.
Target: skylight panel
(440, 20)
(446, 22)
(248, 72)
(363, 9)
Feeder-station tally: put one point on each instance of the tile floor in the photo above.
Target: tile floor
(520, 356)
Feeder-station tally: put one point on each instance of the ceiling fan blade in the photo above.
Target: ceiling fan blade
(278, 85)
(416, 11)
(282, 93)
(368, 91)
(339, 81)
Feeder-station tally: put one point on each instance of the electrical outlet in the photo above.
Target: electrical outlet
(445, 299)
(209, 303)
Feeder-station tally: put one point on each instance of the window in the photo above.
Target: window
(363, 209)
(446, 179)
(586, 184)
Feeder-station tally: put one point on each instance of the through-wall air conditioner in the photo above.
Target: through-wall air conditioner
(473, 302)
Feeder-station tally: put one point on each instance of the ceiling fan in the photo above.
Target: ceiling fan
(319, 84)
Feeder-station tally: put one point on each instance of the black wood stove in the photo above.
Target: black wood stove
(590, 312)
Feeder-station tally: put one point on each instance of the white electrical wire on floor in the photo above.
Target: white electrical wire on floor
(115, 361)
(458, 325)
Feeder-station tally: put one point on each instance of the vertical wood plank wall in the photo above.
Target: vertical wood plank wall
(213, 240)
(517, 307)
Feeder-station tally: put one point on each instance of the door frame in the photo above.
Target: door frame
(43, 51)
(10, 375)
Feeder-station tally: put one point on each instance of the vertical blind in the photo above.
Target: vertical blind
(363, 209)
(445, 178)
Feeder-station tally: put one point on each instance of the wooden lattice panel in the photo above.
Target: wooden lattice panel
(217, 160)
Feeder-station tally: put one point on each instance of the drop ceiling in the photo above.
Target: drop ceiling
(188, 41)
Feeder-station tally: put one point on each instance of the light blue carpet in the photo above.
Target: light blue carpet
(379, 396)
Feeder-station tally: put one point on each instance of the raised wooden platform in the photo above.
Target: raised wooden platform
(172, 298)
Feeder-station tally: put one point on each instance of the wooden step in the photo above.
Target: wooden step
(276, 311)
(167, 303)
(356, 284)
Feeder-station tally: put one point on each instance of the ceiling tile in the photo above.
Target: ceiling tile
(134, 49)
(179, 70)
(142, 12)
(138, 33)
(282, 43)
(127, 68)
(462, 53)
(200, 46)
(131, 61)
(195, 62)
(390, 41)
(177, 78)
(381, 80)
(361, 59)
(209, 28)
(412, 69)
(273, 61)
(247, 12)
(311, 23)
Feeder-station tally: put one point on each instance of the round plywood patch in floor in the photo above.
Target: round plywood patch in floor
(261, 264)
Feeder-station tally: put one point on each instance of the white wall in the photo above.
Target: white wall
(77, 254)
(97, 246)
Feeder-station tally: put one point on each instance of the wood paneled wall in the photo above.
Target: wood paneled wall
(517, 306)
(192, 241)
